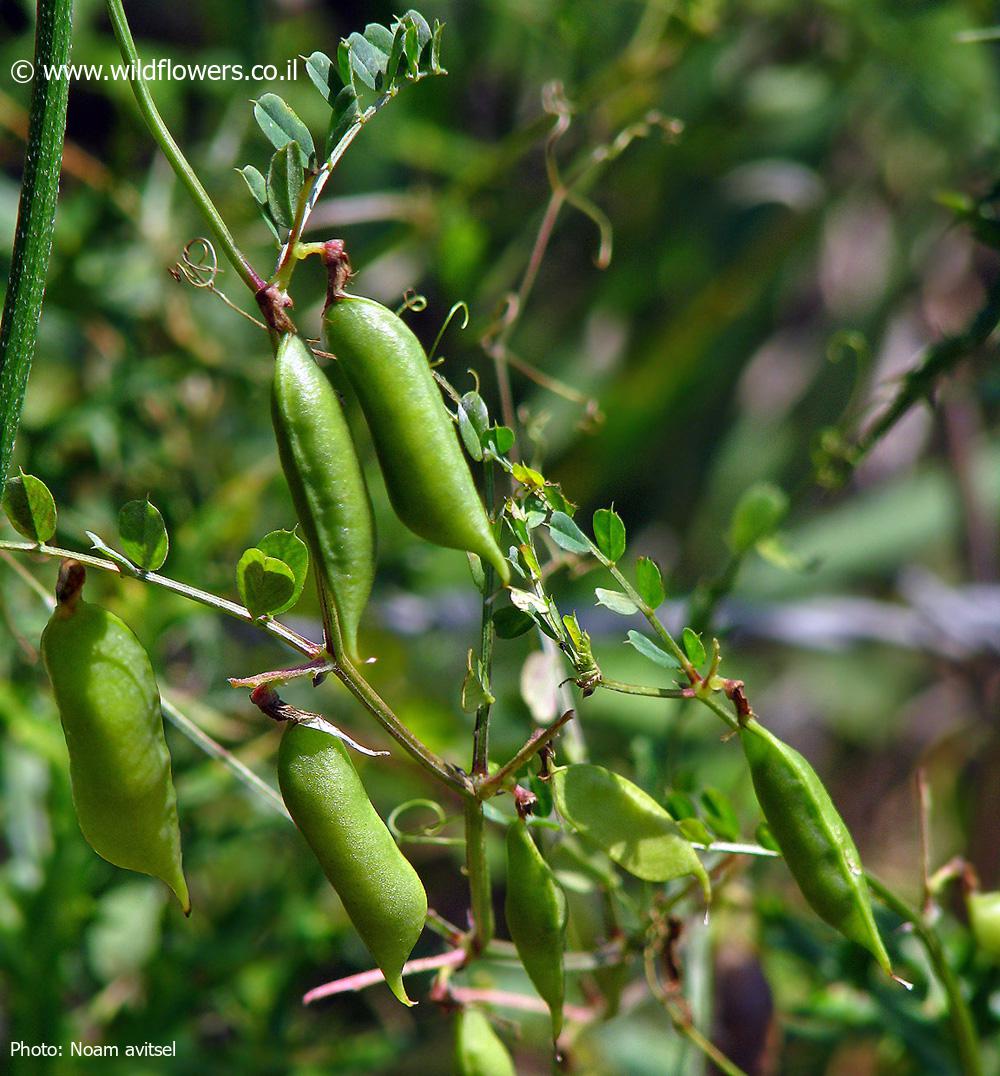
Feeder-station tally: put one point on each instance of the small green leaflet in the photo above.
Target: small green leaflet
(693, 647)
(467, 431)
(500, 439)
(475, 686)
(695, 830)
(30, 507)
(649, 582)
(284, 184)
(322, 72)
(256, 182)
(609, 533)
(528, 476)
(650, 650)
(143, 535)
(478, 573)
(257, 185)
(265, 583)
(527, 602)
(567, 535)
(288, 547)
(510, 622)
(281, 126)
(616, 601)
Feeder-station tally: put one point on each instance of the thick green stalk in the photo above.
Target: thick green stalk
(359, 687)
(478, 868)
(481, 734)
(184, 171)
(35, 218)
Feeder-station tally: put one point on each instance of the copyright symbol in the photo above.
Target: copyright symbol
(22, 71)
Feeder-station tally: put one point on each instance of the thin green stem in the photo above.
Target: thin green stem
(719, 709)
(706, 1046)
(354, 681)
(962, 1024)
(478, 868)
(481, 735)
(215, 750)
(363, 691)
(491, 786)
(176, 717)
(36, 213)
(164, 139)
(213, 601)
(288, 258)
(681, 1019)
(650, 614)
(643, 689)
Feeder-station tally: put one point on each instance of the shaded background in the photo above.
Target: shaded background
(776, 266)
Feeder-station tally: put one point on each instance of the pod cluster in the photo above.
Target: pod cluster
(425, 470)
(431, 488)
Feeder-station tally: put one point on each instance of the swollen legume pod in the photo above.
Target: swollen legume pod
(380, 891)
(327, 485)
(535, 910)
(813, 838)
(984, 918)
(478, 1049)
(109, 706)
(426, 474)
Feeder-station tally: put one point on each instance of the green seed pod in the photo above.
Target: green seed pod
(110, 711)
(536, 918)
(478, 1049)
(380, 890)
(327, 485)
(626, 822)
(813, 838)
(428, 479)
(984, 918)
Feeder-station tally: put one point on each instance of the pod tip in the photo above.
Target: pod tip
(399, 990)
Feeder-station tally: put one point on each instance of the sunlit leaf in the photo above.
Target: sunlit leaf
(143, 535)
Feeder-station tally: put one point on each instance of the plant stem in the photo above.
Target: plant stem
(962, 1023)
(481, 735)
(489, 787)
(184, 171)
(938, 360)
(382, 712)
(642, 689)
(36, 214)
(720, 710)
(650, 614)
(682, 1021)
(478, 869)
(706, 1046)
(213, 601)
(355, 682)
(362, 979)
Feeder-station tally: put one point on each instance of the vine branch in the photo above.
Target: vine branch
(36, 213)
(185, 173)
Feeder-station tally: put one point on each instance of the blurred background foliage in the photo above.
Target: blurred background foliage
(781, 254)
